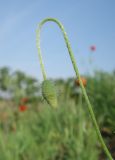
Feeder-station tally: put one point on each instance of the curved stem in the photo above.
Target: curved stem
(77, 74)
(39, 51)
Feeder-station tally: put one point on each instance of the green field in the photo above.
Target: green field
(41, 132)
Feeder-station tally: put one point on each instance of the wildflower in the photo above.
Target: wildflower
(93, 48)
(24, 100)
(84, 81)
(22, 108)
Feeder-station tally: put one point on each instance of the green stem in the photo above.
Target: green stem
(39, 51)
(77, 74)
(80, 126)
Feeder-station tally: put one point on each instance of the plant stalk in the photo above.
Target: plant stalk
(77, 74)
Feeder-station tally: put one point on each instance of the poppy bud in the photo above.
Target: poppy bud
(49, 93)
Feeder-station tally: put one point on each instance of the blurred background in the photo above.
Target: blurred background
(29, 127)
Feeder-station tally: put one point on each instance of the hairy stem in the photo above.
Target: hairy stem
(39, 51)
(77, 74)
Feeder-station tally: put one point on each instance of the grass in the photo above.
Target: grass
(65, 133)
(47, 134)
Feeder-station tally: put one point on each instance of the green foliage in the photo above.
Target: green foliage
(62, 134)
(4, 78)
(48, 135)
(101, 89)
(18, 85)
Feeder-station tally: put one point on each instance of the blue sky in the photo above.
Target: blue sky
(87, 22)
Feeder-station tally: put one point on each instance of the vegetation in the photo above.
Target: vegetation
(31, 129)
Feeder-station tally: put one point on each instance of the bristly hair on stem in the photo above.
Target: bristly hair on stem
(77, 74)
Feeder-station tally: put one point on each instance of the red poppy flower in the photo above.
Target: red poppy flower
(84, 81)
(22, 108)
(93, 48)
(24, 100)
